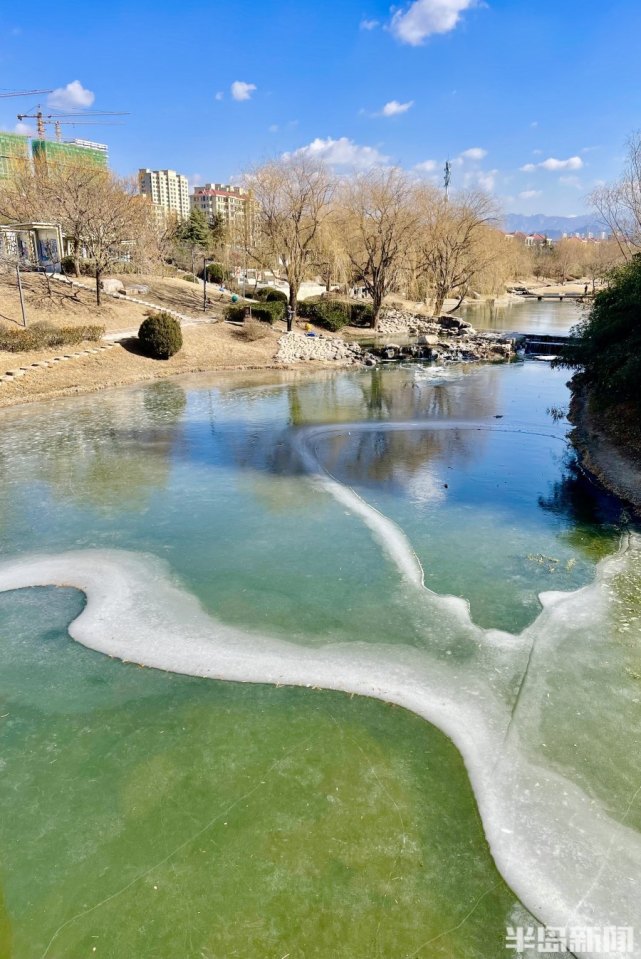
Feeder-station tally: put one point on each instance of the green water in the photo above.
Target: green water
(148, 814)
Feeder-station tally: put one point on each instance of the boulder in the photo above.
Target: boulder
(112, 286)
(454, 323)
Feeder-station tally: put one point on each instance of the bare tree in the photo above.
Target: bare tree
(54, 192)
(98, 212)
(449, 243)
(599, 258)
(292, 198)
(619, 204)
(377, 221)
(115, 215)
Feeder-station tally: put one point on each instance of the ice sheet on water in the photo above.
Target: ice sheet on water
(570, 856)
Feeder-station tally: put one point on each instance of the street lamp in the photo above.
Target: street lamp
(205, 262)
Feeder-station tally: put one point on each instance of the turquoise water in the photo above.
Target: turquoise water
(366, 840)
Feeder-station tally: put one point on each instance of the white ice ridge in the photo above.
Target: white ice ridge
(567, 860)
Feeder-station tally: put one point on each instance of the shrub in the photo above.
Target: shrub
(68, 266)
(362, 314)
(252, 329)
(87, 268)
(607, 344)
(265, 312)
(267, 294)
(215, 273)
(189, 277)
(160, 336)
(41, 336)
(334, 314)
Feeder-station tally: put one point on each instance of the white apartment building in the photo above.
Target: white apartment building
(222, 199)
(166, 189)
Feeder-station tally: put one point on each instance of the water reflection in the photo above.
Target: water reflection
(526, 316)
(108, 454)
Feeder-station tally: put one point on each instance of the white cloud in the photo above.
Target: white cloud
(474, 153)
(24, 128)
(341, 152)
(427, 166)
(366, 24)
(529, 194)
(423, 18)
(481, 179)
(72, 97)
(394, 108)
(241, 90)
(219, 96)
(572, 163)
(194, 180)
(552, 164)
(273, 128)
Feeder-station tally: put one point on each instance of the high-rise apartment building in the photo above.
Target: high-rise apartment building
(167, 190)
(231, 203)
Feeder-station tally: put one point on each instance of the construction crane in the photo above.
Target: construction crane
(76, 119)
(22, 93)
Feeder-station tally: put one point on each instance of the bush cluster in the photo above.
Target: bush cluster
(41, 336)
(268, 312)
(189, 277)
(606, 345)
(334, 314)
(68, 266)
(215, 273)
(160, 336)
(267, 294)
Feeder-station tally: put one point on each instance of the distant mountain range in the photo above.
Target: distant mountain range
(552, 226)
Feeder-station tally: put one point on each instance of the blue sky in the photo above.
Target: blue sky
(533, 100)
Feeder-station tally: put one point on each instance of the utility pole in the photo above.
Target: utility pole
(22, 309)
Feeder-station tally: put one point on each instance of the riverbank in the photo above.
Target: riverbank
(206, 348)
(608, 448)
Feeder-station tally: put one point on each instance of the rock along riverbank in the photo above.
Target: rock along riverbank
(616, 469)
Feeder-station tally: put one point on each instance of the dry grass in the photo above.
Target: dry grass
(206, 348)
(57, 303)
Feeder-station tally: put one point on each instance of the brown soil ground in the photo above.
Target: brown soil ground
(206, 347)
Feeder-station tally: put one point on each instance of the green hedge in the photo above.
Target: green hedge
(215, 273)
(160, 336)
(265, 312)
(268, 294)
(40, 336)
(335, 314)
(68, 266)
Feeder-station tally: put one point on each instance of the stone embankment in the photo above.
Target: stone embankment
(296, 347)
(443, 339)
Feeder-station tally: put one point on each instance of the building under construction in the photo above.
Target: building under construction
(14, 153)
(71, 152)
